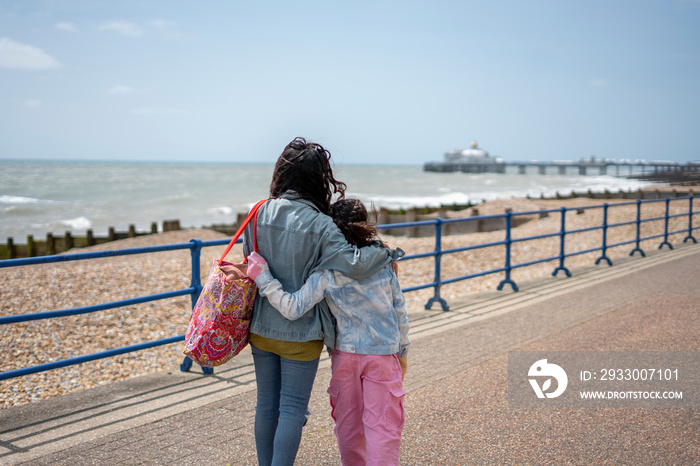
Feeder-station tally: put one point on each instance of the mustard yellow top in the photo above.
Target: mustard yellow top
(294, 350)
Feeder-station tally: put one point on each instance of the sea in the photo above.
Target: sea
(40, 196)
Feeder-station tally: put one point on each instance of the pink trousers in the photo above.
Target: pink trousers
(367, 405)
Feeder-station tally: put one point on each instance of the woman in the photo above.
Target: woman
(297, 237)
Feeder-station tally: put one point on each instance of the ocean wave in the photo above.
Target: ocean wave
(7, 199)
(177, 197)
(78, 223)
(487, 191)
(17, 209)
(407, 202)
(223, 210)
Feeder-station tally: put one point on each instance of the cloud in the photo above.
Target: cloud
(18, 56)
(128, 29)
(33, 103)
(70, 27)
(167, 29)
(599, 82)
(151, 111)
(120, 89)
(162, 23)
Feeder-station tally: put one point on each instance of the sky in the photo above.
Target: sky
(375, 82)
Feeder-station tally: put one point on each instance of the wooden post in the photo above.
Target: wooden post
(446, 227)
(112, 234)
(410, 216)
(480, 222)
(132, 231)
(50, 244)
(90, 238)
(31, 247)
(383, 219)
(68, 241)
(11, 248)
(174, 225)
(154, 228)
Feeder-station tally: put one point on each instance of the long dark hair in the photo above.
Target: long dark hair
(305, 168)
(351, 217)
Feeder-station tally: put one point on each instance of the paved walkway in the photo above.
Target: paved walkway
(456, 403)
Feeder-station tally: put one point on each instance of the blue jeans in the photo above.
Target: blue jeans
(284, 389)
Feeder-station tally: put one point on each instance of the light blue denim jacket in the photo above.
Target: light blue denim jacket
(370, 313)
(296, 240)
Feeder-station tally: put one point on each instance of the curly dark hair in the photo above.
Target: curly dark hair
(305, 168)
(351, 217)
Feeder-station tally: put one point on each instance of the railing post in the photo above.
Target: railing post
(507, 279)
(638, 222)
(562, 235)
(690, 222)
(665, 241)
(438, 258)
(604, 247)
(196, 283)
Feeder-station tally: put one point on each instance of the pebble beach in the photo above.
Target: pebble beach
(39, 288)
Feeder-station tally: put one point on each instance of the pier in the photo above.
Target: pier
(564, 167)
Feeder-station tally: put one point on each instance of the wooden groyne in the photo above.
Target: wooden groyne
(477, 225)
(58, 244)
(54, 244)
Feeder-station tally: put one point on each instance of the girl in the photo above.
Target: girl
(369, 359)
(297, 235)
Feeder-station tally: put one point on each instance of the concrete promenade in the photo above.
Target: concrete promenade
(456, 404)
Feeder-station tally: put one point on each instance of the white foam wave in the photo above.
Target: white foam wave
(78, 223)
(177, 197)
(487, 190)
(407, 202)
(223, 210)
(6, 199)
(14, 209)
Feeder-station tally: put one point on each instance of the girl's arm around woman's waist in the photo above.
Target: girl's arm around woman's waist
(290, 305)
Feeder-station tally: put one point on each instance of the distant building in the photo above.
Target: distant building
(473, 160)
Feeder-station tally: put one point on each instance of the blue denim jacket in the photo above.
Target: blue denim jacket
(370, 314)
(297, 239)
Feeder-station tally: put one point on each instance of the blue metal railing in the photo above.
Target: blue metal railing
(195, 246)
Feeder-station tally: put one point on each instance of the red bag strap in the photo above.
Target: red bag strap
(253, 214)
